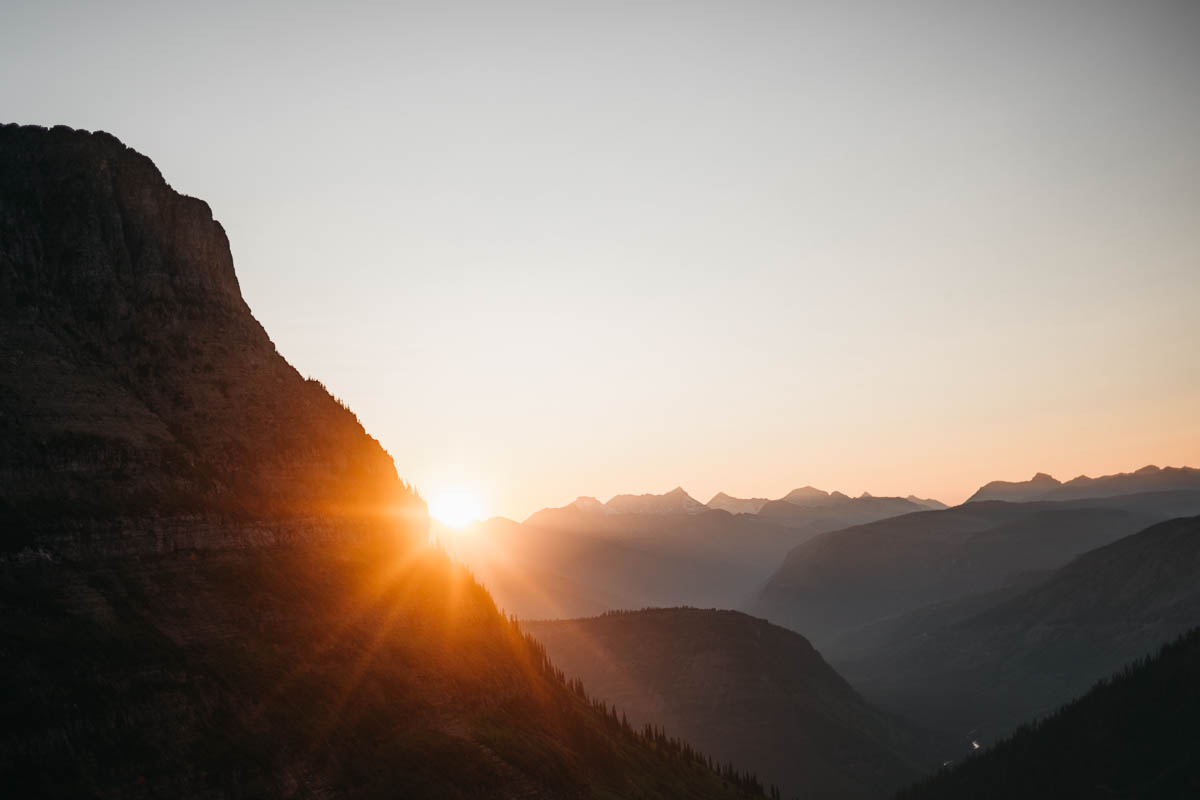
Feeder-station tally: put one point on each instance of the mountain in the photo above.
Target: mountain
(572, 561)
(589, 557)
(1012, 657)
(1131, 736)
(812, 496)
(156, 392)
(676, 501)
(1036, 488)
(212, 581)
(736, 505)
(741, 689)
(814, 511)
(928, 502)
(842, 580)
(1044, 487)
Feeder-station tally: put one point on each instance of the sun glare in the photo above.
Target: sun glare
(456, 507)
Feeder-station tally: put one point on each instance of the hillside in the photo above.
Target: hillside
(845, 579)
(135, 380)
(576, 561)
(742, 689)
(1019, 656)
(212, 581)
(648, 550)
(1132, 736)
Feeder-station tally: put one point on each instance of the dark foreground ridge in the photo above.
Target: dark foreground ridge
(135, 382)
(1133, 736)
(212, 581)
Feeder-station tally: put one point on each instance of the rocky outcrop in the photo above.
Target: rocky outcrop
(134, 380)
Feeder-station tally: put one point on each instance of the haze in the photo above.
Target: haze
(552, 249)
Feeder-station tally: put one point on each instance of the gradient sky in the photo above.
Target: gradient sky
(550, 249)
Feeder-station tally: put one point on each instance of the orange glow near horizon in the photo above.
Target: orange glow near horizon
(456, 507)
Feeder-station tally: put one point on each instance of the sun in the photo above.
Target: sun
(456, 507)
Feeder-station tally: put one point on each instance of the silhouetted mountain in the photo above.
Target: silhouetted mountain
(928, 502)
(736, 505)
(212, 582)
(156, 391)
(742, 689)
(845, 579)
(1043, 487)
(1036, 488)
(568, 562)
(648, 550)
(813, 511)
(812, 496)
(1132, 736)
(1008, 658)
(676, 501)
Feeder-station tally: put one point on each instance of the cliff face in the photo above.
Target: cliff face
(134, 379)
(202, 589)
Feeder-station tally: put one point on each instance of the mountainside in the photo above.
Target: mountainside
(1021, 655)
(1035, 488)
(647, 550)
(1132, 736)
(570, 561)
(135, 380)
(212, 581)
(736, 505)
(816, 514)
(742, 689)
(1044, 487)
(845, 579)
(676, 501)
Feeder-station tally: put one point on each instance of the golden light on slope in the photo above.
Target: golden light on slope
(456, 507)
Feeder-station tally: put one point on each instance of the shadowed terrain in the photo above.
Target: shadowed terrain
(212, 581)
(1133, 736)
(1004, 659)
(742, 689)
(841, 581)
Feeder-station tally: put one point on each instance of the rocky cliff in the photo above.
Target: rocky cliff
(133, 378)
(212, 581)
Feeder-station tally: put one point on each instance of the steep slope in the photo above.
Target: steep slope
(845, 579)
(1022, 655)
(1132, 736)
(212, 582)
(135, 379)
(742, 689)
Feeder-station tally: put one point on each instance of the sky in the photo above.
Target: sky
(549, 249)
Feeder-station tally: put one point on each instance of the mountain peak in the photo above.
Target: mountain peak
(589, 505)
(676, 501)
(1016, 491)
(737, 505)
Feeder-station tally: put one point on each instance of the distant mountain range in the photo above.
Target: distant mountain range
(988, 663)
(1132, 736)
(741, 689)
(1045, 487)
(841, 580)
(678, 501)
(649, 550)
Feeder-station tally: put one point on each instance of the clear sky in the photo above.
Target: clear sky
(550, 249)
